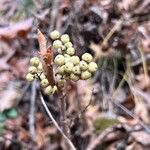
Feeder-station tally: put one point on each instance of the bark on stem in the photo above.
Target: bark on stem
(63, 116)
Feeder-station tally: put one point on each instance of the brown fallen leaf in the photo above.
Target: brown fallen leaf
(143, 81)
(4, 65)
(9, 98)
(141, 137)
(19, 29)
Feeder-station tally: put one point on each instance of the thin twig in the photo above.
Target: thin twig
(32, 110)
(139, 61)
(113, 30)
(56, 124)
(97, 141)
(147, 129)
(88, 103)
(54, 14)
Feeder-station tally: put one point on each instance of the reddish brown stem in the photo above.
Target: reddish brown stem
(63, 117)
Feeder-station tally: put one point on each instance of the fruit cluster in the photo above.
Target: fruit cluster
(36, 71)
(69, 65)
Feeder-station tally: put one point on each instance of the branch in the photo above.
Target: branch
(56, 124)
(98, 140)
(32, 110)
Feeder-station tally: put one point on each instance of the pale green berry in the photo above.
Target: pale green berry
(61, 82)
(67, 76)
(75, 60)
(70, 51)
(65, 38)
(74, 77)
(87, 57)
(68, 67)
(76, 70)
(32, 69)
(85, 75)
(83, 65)
(34, 61)
(67, 59)
(54, 89)
(59, 60)
(59, 50)
(40, 67)
(55, 35)
(29, 77)
(44, 82)
(63, 48)
(48, 90)
(92, 67)
(57, 44)
(66, 56)
(61, 70)
(42, 76)
(68, 44)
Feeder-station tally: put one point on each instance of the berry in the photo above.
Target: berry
(74, 77)
(55, 35)
(83, 65)
(92, 67)
(59, 60)
(85, 75)
(76, 70)
(42, 76)
(68, 44)
(61, 82)
(63, 48)
(48, 90)
(75, 60)
(57, 44)
(70, 51)
(67, 76)
(65, 38)
(54, 89)
(29, 77)
(61, 70)
(32, 69)
(59, 50)
(87, 57)
(40, 67)
(44, 82)
(68, 67)
(67, 59)
(34, 61)
(66, 56)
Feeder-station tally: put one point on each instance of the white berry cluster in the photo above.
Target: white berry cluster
(36, 71)
(69, 65)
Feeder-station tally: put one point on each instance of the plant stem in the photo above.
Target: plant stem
(63, 116)
(68, 141)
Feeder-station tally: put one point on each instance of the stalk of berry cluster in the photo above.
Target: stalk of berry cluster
(47, 56)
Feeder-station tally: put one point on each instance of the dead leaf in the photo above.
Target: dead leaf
(9, 98)
(143, 81)
(19, 29)
(141, 137)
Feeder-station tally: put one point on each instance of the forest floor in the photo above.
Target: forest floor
(110, 111)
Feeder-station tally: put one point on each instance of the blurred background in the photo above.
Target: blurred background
(111, 110)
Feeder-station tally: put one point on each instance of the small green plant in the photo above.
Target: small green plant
(68, 67)
(7, 114)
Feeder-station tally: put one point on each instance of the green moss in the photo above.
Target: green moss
(103, 123)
